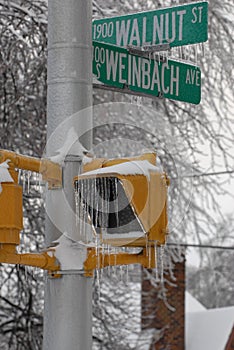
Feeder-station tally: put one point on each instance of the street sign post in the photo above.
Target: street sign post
(179, 25)
(118, 68)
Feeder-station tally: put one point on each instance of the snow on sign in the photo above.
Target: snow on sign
(179, 25)
(115, 66)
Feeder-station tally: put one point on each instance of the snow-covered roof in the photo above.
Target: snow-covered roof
(209, 329)
(192, 304)
(140, 167)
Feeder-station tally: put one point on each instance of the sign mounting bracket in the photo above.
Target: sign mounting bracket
(147, 51)
(126, 90)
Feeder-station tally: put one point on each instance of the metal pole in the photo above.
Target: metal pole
(68, 300)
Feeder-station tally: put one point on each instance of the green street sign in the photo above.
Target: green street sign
(179, 25)
(115, 66)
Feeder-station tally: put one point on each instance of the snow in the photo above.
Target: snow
(70, 254)
(140, 167)
(4, 173)
(133, 234)
(209, 329)
(87, 160)
(192, 304)
(70, 140)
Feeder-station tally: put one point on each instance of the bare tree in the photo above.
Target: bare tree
(213, 283)
(183, 135)
(23, 39)
(192, 142)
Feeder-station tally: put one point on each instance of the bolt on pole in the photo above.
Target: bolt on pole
(68, 300)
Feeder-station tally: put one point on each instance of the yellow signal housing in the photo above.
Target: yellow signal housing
(139, 191)
(11, 210)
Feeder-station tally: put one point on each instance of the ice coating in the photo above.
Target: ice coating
(141, 167)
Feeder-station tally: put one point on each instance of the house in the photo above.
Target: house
(208, 329)
(189, 325)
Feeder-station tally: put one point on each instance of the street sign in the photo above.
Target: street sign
(179, 25)
(115, 66)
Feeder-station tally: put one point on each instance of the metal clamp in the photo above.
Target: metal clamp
(147, 50)
(157, 48)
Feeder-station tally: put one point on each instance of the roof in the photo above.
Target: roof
(192, 304)
(209, 329)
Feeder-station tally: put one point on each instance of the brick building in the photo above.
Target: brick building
(188, 326)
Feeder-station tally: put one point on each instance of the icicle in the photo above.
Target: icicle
(115, 262)
(121, 272)
(187, 55)
(24, 180)
(28, 180)
(87, 202)
(156, 261)
(139, 100)
(107, 196)
(133, 99)
(81, 210)
(167, 54)
(147, 245)
(96, 202)
(158, 59)
(92, 199)
(162, 262)
(155, 55)
(202, 49)
(26, 273)
(40, 183)
(179, 52)
(102, 189)
(103, 255)
(127, 274)
(80, 207)
(171, 269)
(98, 284)
(116, 203)
(19, 175)
(150, 58)
(149, 257)
(77, 200)
(22, 239)
(195, 54)
(37, 182)
(109, 259)
(97, 252)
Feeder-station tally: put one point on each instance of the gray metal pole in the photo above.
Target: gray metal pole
(68, 300)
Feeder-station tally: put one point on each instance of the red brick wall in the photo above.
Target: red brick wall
(155, 313)
(230, 343)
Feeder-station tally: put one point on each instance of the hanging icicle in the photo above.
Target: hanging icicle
(29, 173)
(195, 54)
(156, 261)
(24, 179)
(109, 259)
(127, 274)
(19, 176)
(77, 203)
(147, 245)
(96, 202)
(162, 262)
(149, 256)
(116, 202)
